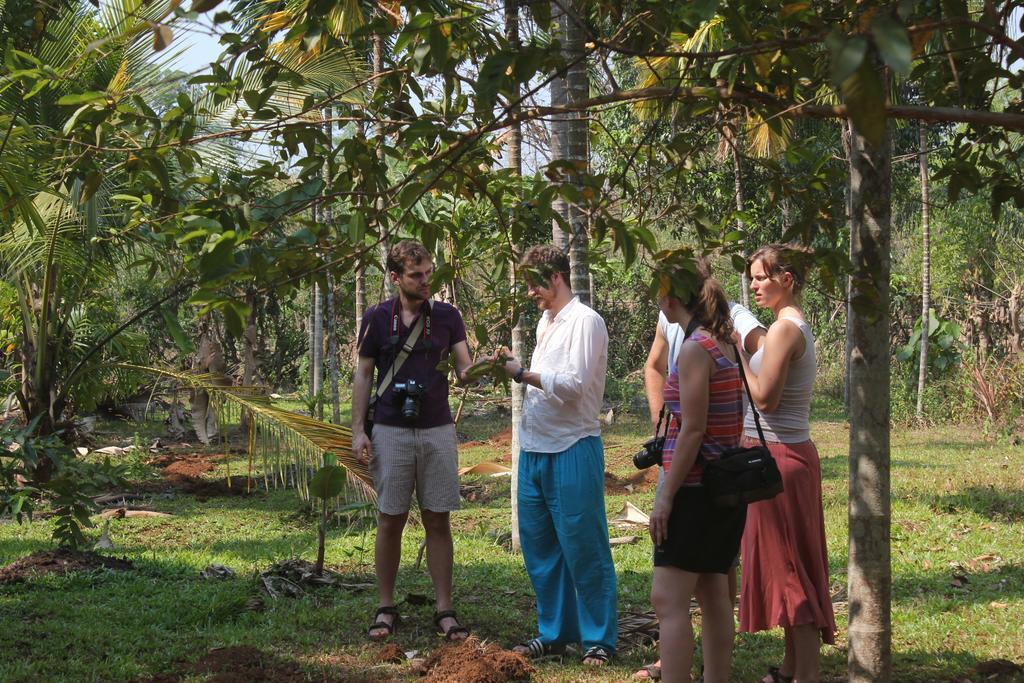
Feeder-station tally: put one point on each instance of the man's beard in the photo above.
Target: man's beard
(413, 294)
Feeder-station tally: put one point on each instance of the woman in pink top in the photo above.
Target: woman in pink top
(785, 562)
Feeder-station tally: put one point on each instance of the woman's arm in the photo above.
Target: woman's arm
(694, 367)
(783, 343)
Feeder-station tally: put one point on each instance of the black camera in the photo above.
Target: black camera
(409, 393)
(650, 454)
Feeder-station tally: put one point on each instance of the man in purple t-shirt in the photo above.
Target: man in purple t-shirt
(412, 444)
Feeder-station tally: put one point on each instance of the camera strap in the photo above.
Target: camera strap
(407, 347)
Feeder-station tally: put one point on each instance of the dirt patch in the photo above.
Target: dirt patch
(390, 654)
(501, 440)
(61, 561)
(183, 472)
(471, 661)
(642, 480)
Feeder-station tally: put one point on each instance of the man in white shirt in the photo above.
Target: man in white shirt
(562, 524)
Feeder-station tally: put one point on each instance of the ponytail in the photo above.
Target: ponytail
(709, 304)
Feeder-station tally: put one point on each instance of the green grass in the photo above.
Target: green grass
(958, 499)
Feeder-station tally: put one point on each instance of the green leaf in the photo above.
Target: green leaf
(865, 103)
(204, 5)
(482, 337)
(181, 339)
(328, 482)
(81, 98)
(492, 75)
(848, 58)
(893, 43)
(356, 227)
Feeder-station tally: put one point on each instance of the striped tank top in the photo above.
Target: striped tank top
(725, 410)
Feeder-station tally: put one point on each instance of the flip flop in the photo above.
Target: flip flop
(602, 655)
(536, 649)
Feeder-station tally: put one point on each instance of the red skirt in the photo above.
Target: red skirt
(783, 552)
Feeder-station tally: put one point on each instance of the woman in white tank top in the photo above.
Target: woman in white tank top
(784, 556)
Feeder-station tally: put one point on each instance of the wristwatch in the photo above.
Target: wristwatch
(518, 377)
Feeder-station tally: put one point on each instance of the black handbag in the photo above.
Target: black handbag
(743, 475)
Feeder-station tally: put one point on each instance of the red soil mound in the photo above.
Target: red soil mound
(642, 480)
(60, 561)
(471, 661)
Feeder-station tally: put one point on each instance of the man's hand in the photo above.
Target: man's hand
(512, 366)
(362, 448)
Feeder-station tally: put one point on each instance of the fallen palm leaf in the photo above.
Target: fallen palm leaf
(630, 515)
(280, 437)
(623, 540)
(118, 513)
(291, 579)
(217, 571)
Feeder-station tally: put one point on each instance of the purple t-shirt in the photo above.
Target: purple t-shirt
(446, 330)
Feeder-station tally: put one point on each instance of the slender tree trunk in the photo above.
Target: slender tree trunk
(869, 571)
(845, 135)
(569, 141)
(737, 168)
(251, 374)
(316, 349)
(926, 264)
(514, 150)
(332, 320)
(209, 358)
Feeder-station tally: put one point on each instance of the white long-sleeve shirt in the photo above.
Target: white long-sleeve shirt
(571, 358)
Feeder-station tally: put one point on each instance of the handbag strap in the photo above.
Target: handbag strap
(757, 417)
(407, 347)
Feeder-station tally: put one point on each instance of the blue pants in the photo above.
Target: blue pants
(563, 532)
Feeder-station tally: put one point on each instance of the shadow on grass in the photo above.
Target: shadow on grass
(916, 666)
(938, 592)
(996, 504)
(838, 466)
(161, 614)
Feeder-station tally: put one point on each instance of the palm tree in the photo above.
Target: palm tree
(570, 140)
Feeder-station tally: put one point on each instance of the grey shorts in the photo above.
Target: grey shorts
(426, 460)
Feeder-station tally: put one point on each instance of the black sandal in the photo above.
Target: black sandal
(596, 652)
(777, 676)
(537, 649)
(454, 630)
(379, 623)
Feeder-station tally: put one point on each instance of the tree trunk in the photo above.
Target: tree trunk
(332, 319)
(514, 150)
(570, 141)
(926, 262)
(251, 374)
(209, 359)
(869, 571)
(737, 168)
(845, 135)
(316, 349)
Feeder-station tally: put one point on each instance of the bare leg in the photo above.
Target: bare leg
(670, 594)
(387, 555)
(806, 643)
(440, 557)
(717, 627)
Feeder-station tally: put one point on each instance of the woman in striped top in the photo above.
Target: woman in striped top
(696, 543)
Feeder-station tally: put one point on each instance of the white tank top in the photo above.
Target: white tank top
(790, 422)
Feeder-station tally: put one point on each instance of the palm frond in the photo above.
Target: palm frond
(767, 142)
(279, 437)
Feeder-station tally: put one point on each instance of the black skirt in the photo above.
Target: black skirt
(702, 538)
